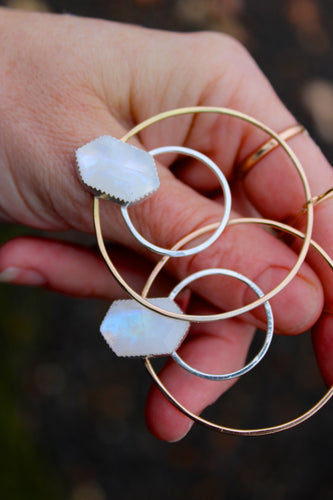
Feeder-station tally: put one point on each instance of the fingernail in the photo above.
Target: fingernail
(22, 276)
(297, 306)
(182, 435)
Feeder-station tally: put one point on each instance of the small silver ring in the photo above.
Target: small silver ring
(269, 331)
(227, 206)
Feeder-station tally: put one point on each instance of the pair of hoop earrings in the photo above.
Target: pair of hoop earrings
(117, 171)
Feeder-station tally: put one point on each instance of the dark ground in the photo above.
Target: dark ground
(69, 428)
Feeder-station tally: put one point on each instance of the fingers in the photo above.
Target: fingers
(246, 249)
(70, 93)
(220, 347)
(229, 77)
(273, 185)
(275, 170)
(322, 333)
(69, 269)
(53, 196)
(322, 337)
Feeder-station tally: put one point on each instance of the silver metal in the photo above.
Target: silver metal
(269, 331)
(227, 205)
(304, 247)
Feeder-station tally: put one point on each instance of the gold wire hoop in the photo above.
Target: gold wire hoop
(196, 418)
(306, 241)
(269, 146)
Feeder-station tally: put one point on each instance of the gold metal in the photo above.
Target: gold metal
(277, 139)
(267, 296)
(269, 146)
(314, 200)
(196, 418)
(233, 222)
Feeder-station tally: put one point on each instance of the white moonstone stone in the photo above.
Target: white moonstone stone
(133, 330)
(117, 170)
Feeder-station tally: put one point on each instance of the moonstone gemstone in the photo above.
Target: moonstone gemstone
(117, 170)
(133, 330)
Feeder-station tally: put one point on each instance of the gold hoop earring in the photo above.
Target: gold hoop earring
(196, 418)
(308, 231)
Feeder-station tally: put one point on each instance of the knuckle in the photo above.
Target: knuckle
(216, 44)
(225, 65)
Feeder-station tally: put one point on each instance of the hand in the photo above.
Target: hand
(66, 81)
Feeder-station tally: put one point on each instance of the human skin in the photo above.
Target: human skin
(65, 81)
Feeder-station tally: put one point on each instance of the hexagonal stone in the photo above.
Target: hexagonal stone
(117, 170)
(133, 330)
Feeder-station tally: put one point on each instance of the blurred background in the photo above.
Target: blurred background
(71, 413)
